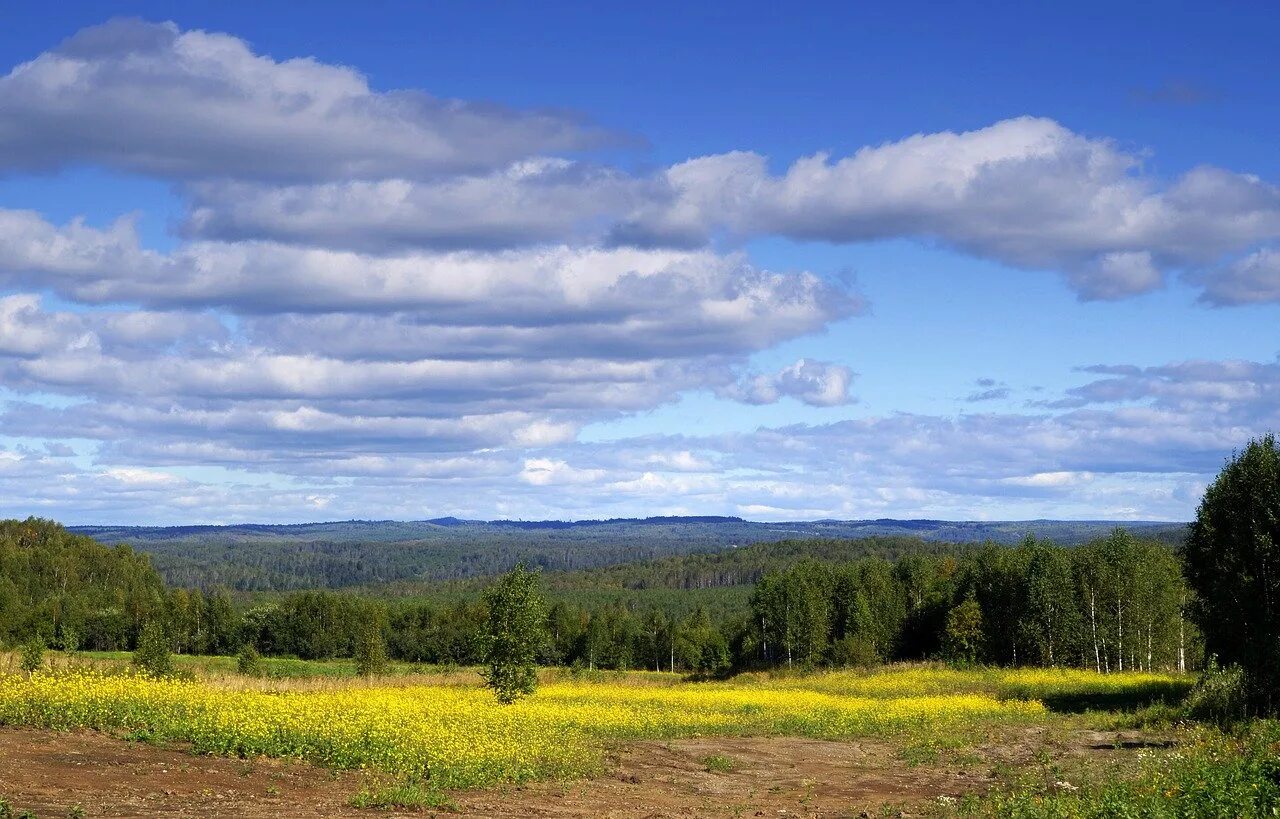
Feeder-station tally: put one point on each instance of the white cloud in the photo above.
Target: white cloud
(1253, 279)
(817, 383)
(548, 472)
(1027, 192)
(148, 97)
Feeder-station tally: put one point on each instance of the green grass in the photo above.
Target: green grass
(278, 668)
(1211, 773)
(719, 763)
(401, 795)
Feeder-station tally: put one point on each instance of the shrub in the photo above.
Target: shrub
(1221, 695)
(69, 639)
(152, 654)
(855, 651)
(249, 661)
(371, 654)
(32, 654)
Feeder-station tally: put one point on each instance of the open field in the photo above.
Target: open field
(914, 738)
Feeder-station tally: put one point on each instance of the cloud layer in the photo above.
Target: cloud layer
(384, 300)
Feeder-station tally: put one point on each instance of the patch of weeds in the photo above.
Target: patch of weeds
(719, 763)
(145, 734)
(75, 812)
(919, 753)
(403, 795)
(6, 810)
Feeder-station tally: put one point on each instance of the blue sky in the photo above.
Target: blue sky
(558, 260)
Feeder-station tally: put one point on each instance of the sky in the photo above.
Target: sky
(562, 261)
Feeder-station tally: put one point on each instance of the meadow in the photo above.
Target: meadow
(436, 730)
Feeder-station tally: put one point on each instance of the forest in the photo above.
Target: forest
(1117, 602)
(361, 553)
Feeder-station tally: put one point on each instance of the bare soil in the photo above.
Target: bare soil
(50, 772)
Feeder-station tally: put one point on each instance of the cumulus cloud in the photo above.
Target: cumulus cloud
(817, 383)
(385, 300)
(150, 98)
(1254, 279)
(531, 201)
(519, 287)
(1248, 391)
(1026, 192)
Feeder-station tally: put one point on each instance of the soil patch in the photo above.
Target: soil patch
(49, 772)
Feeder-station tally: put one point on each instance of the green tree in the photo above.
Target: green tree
(249, 661)
(962, 640)
(1052, 621)
(32, 654)
(513, 634)
(371, 652)
(1232, 561)
(152, 654)
(69, 638)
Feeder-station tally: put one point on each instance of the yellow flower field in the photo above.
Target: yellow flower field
(455, 736)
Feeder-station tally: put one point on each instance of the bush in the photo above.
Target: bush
(152, 654)
(249, 661)
(855, 651)
(32, 654)
(371, 654)
(1221, 695)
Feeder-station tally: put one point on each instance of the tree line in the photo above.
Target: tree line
(1115, 603)
(1112, 604)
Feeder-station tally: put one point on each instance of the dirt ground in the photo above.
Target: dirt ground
(49, 773)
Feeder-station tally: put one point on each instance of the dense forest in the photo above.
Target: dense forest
(360, 553)
(1114, 603)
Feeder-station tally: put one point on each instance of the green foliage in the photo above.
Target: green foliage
(514, 631)
(963, 637)
(719, 763)
(402, 795)
(1216, 775)
(854, 651)
(1232, 559)
(249, 661)
(153, 655)
(1220, 697)
(54, 582)
(69, 639)
(32, 654)
(371, 653)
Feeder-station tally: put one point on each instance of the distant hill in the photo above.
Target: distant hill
(350, 553)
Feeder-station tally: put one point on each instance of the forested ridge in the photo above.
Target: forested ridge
(359, 553)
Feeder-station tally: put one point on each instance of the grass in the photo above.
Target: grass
(719, 763)
(1211, 774)
(401, 795)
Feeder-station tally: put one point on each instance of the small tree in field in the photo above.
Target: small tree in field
(513, 634)
(152, 654)
(249, 661)
(1232, 561)
(371, 652)
(963, 636)
(32, 654)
